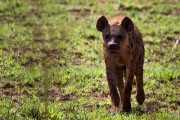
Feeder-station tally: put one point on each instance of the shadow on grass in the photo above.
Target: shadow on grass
(146, 108)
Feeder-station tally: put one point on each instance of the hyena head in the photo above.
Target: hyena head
(114, 35)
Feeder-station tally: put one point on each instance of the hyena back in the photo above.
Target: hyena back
(124, 56)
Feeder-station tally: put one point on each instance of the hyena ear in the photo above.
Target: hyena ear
(101, 23)
(128, 24)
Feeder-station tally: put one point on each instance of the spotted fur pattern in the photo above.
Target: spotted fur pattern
(124, 58)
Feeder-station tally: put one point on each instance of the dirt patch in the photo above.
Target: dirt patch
(101, 3)
(100, 96)
(151, 107)
(57, 95)
(175, 12)
(79, 13)
(9, 90)
(128, 8)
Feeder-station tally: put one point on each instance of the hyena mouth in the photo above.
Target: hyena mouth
(112, 51)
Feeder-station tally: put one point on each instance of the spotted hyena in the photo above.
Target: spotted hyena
(124, 56)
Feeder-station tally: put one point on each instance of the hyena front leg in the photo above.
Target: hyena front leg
(126, 105)
(111, 77)
(120, 83)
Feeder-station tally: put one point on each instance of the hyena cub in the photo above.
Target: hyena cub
(124, 56)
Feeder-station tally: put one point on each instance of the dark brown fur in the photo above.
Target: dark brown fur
(124, 56)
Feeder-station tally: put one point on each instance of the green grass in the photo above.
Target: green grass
(52, 66)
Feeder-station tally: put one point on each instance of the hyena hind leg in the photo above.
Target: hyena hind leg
(140, 96)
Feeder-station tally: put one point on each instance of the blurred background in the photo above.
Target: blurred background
(52, 66)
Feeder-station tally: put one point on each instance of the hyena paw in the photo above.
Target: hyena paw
(126, 108)
(140, 97)
(112, 109)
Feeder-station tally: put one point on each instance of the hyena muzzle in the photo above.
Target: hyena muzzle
(124, 57)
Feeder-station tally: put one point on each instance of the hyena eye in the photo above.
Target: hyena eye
(120, 37)
(106, 36)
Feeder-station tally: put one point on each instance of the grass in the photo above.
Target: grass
(52, 66)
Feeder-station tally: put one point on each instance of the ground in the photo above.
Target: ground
(52, 66)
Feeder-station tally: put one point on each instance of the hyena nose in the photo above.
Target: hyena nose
(112, 46)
